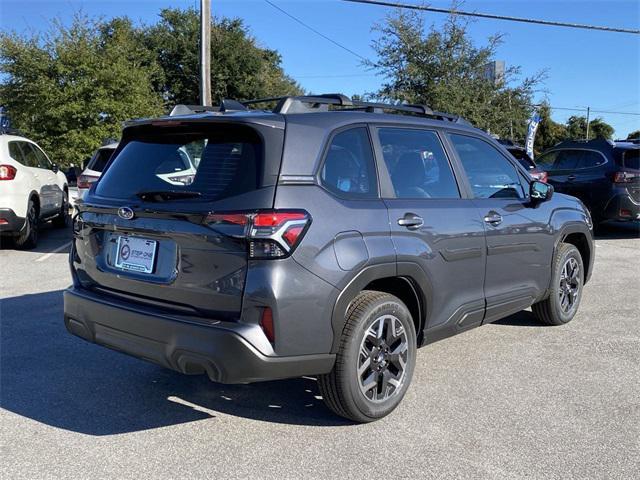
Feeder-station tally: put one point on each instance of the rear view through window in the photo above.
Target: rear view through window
(199, 165)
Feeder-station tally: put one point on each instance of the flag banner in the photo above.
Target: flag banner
(534, 121)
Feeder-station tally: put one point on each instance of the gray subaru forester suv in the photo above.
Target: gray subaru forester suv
(324, 236)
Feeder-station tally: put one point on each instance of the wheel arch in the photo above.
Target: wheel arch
(579, 235)
(389, 279)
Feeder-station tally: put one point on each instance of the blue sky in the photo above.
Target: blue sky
(592, 68)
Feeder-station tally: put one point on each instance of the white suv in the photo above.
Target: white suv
(32, 190)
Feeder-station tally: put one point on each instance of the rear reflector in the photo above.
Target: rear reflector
(7, 172)
(266, 322)
(271, 234)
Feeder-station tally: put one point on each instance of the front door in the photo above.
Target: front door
(519, 241)
(437, 234)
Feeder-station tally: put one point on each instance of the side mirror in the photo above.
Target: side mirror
(540, 191)
(55, 168)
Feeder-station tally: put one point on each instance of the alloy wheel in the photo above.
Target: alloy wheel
(382, 359)
(569, 290)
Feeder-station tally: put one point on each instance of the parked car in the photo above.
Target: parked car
(520, 154)
(32, 190)
(94, 167)
(604, 175)
(323, 237)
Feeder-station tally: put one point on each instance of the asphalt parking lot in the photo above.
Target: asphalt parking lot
(508, 400)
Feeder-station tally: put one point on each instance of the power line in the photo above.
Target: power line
(496, 17)
(317, 32)
(574, 109)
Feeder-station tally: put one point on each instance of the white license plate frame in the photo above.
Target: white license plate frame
(136, 254)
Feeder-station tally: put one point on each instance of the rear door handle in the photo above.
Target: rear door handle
(493, 218)
(571, 178)
(411, 221)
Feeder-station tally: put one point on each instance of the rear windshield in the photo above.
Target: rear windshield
(211, 164)
(631, 159)
(100, 159)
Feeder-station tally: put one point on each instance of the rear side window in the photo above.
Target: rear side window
(201, 165)
(100, 159)
(15, 152)
(349, 169)
(417, 164)
(491, 175)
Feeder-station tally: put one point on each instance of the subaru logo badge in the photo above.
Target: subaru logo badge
(125, 212)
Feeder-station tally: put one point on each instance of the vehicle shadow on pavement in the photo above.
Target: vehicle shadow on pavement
(524, 318)
(49, 238)
(52, 377)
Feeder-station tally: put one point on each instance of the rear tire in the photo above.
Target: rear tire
(566, 288)
(28, 236)
(375, 361)
(62, 219)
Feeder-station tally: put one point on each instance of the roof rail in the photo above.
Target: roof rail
(314, 103)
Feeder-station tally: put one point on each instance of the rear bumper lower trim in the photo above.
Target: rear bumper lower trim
(222, 354)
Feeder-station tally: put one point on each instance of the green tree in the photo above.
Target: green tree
(240, 69)
(598, 128)
(74, 86)
(445, 70)
(634, 135)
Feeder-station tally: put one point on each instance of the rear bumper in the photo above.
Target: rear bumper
(622, 207)
(9, 221)
(219, 351)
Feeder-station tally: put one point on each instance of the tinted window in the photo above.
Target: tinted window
(491, 175)
(570, 160)
(43, 161)
(215, 165)
(417, 164)
(100, 159)
(15, 152)
(348, 168)
(30, 157)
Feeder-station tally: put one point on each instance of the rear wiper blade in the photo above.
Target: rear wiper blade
(164, 195)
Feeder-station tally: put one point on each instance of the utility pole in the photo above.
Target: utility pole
(205, 52)
(588, 112)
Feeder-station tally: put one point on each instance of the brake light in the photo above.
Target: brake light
(85, 181)
(4, 221)
(625, 177)
(271, 234)
(7, 172)
(543, 176)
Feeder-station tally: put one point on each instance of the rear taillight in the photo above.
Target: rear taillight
(626, 177)
(7, 172)
(271, 234)
(540, 176)
(85, 181)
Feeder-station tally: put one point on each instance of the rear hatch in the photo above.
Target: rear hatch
(143, 232)
(629, 176)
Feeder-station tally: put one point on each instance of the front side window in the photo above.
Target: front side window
(30, 157)
(490, 174)
(349, 168)
(570, 160)
(417, 164)
(43, 161)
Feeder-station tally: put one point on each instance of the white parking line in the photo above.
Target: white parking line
(53, 252)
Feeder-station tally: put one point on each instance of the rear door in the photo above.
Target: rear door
(434, 227)
(145, 232)
(50, 180)
(40, 176)
(519, 241)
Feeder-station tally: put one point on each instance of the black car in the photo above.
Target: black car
(604, 175)
(323, 237)
(520, 154)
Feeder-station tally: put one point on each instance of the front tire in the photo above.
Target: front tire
(62, 219)
(375, 361)
(28, 236)
(566, 288)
